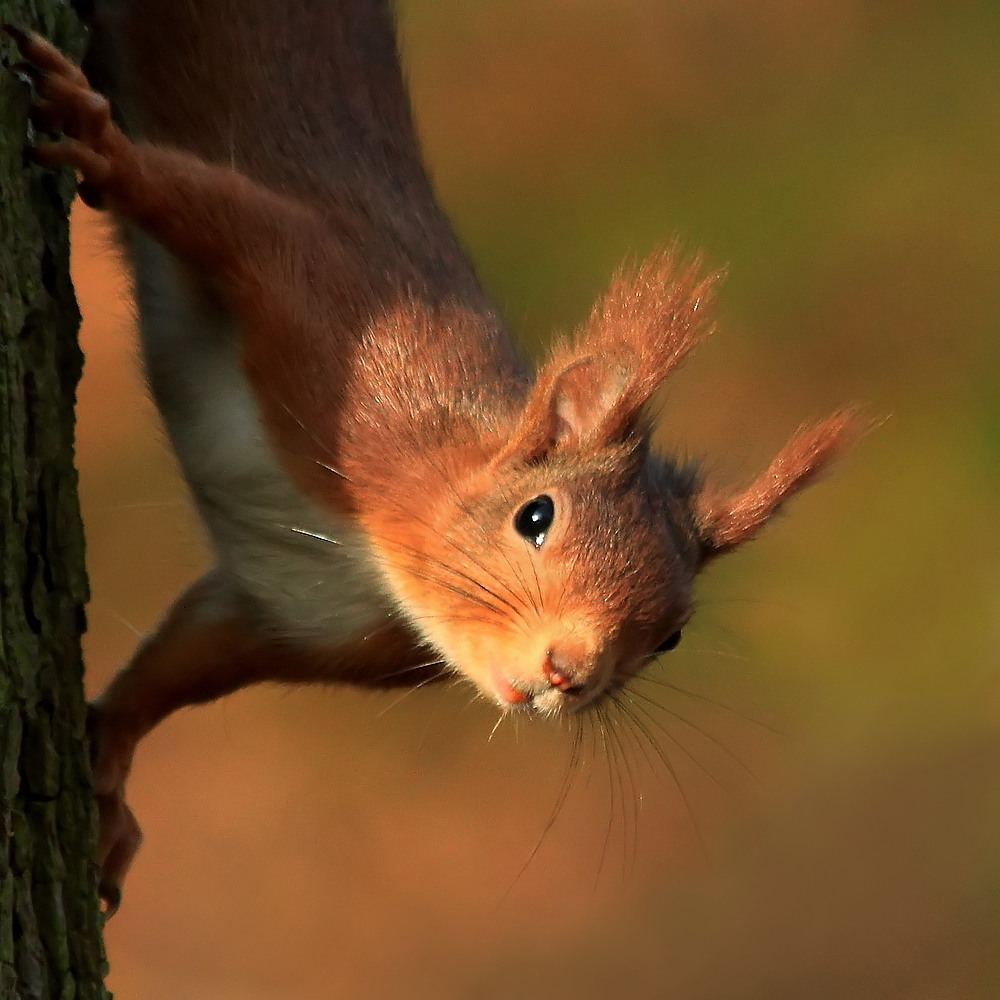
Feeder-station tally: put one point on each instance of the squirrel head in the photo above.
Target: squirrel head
(551, 565)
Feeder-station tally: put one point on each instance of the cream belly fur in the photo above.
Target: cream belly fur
(308, 572)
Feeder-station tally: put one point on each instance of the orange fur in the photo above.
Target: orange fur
(725, 521)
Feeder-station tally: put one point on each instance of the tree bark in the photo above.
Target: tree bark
(50, 921)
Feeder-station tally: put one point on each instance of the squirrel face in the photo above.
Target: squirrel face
(550, 583)
(548, 555)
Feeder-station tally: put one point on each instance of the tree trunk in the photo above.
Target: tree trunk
(50, 922)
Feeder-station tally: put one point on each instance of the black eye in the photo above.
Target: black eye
(669, 643)
(534, 519)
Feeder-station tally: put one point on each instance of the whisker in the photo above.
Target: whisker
(698, 696)
(499, 547)
(322, 444)
(635, 797)
(561, 797)
(711, 737)
(121, 619)
(330, 468)
(467, 619)
(458, 591)
(311, 534)
(673, 739)
(382, 627)
(654, 745)
(611, 793)
(474, 697)
(721, 654)
(405, 694)
(614, 748)
(732, 642)
(535, 606)
(614, 768)
(496, 726)
(534, 574)
(414, 668)
(459, 573)
(507, 601)
(410, 513)
(568, 575)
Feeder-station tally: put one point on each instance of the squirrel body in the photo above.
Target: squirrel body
(274, 546)
(233, 88)
(391, 493)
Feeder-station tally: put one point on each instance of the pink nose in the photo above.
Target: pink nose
(561, 672)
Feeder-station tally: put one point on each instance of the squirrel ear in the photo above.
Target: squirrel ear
(570, 406)
(593, 390)
(725, 521)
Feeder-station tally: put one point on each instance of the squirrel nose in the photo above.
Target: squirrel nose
(562, 672)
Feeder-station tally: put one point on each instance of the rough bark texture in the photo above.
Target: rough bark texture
(50, 923)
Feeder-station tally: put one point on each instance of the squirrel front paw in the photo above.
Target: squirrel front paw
(92, 144)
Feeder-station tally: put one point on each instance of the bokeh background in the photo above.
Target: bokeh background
(840, 157)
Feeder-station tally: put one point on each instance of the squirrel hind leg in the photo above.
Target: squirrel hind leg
(205, 648)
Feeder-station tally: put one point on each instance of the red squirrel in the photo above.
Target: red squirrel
(392, 494)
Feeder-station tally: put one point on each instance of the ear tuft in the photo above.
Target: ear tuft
(593, 389)
(723, 522)
(656, 312)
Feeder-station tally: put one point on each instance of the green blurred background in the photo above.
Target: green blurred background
(840, 158)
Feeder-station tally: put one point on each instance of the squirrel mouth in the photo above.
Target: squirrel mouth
(547, 699)
(508, 693)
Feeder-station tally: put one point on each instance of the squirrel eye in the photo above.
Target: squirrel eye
(669, 643)
(534, 519)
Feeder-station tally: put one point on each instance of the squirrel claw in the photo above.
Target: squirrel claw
(21, 36)
(66, 101)
(43, 54)
(111, 896)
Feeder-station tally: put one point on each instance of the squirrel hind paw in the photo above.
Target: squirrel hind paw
(118, 843)
(119, 835)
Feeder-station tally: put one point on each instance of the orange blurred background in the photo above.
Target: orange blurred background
(841, 159)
